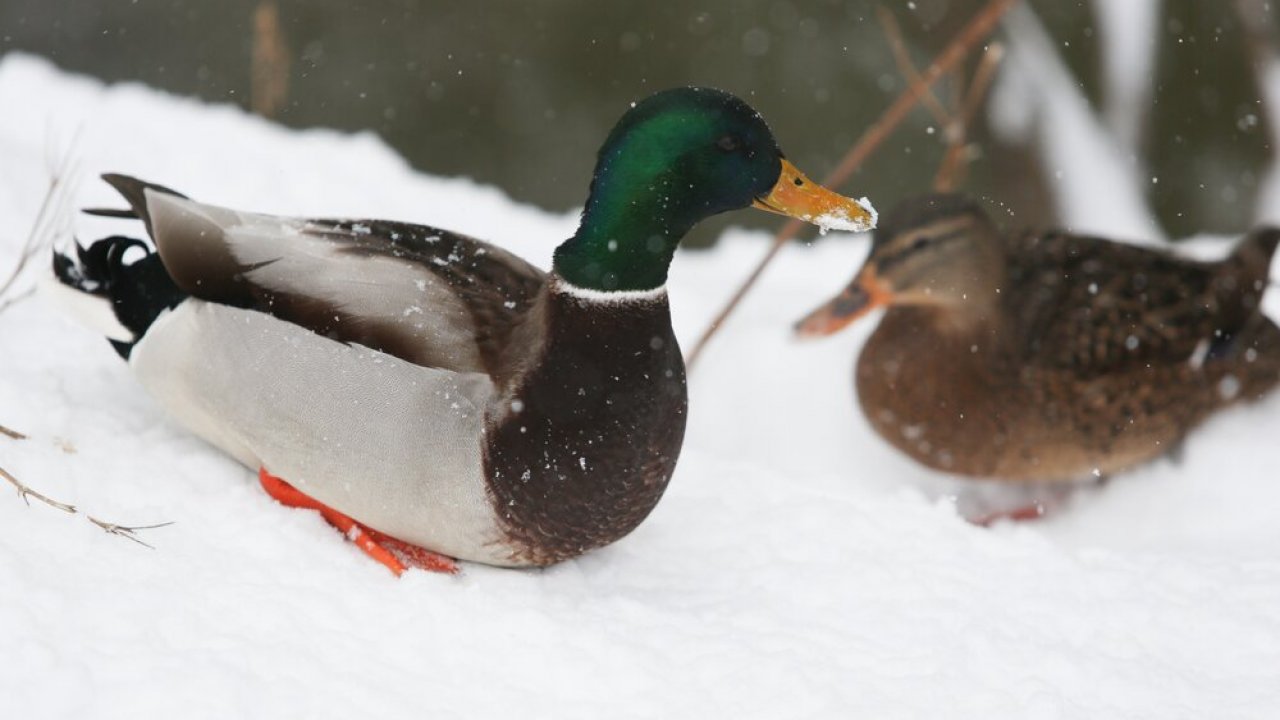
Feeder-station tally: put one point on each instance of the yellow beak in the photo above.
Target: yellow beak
(795, 195)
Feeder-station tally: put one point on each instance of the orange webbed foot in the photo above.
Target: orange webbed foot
(1040, 503)
(1026, 513)
(396, 555)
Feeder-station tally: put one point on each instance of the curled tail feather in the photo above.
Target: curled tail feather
(105, 290)
(118, 298)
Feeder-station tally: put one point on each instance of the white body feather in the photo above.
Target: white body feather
(92, 311)
(396, 446)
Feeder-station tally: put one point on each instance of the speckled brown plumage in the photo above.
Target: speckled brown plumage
(1055, 356)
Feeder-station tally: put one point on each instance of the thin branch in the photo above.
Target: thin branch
(11, 433)
(43, 229)
(982, 24)
(11, 301)
(982, 78)
(128, 532)
(954, 123)
(28, 248)
(893, 32)
(26, 493)
(955, 161)
(957, 91)
(269, 62)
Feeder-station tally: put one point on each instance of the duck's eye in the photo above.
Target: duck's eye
(920, 242)
(728, 143)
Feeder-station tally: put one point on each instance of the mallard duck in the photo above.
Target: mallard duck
(434, 396)
(1041, 357)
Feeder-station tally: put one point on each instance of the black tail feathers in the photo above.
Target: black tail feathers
(138, 291)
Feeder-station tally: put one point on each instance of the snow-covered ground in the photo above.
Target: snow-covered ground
(796, 568)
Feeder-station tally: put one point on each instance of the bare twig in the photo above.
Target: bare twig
(29, 247)
(982, 78)
(955, 161)
(955, 122)
(11, 433)
(26, 493)
(10, 301)
(126, 532)
(893, 32)
(957, 89)
(44, 228)
(129, 532)
(951, 169)
(979, 27)
(269, 81)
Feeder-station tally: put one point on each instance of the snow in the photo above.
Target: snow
(1035, 97)
(839, 219)
(1127, 34)
(798, 567)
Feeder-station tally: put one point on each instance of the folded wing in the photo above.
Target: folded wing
(1099, 307)
(428, 296)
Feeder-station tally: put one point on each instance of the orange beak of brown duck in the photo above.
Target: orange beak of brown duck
(796, 196)
(866, 293)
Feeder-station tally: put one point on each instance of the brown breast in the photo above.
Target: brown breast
(590, 435)
(974, 404)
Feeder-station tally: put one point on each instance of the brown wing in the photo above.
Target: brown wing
(496, 287)
(428, 296)
(1099, 307)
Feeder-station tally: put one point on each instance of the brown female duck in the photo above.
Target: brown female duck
(1043, 357)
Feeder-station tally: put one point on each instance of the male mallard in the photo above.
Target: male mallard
(431, 394)
(1041, 357)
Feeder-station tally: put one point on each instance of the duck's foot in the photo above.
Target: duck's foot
(1014, 504)
(396, 555)
(1025, 513)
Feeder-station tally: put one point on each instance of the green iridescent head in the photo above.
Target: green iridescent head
(674, 159)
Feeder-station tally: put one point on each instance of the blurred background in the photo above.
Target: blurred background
(520, 95)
